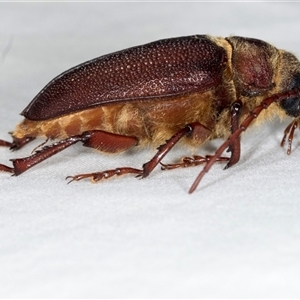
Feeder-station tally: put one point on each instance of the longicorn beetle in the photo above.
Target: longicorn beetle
(189, 89)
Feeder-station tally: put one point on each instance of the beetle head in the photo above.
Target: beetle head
(292, 105)
(290, 79)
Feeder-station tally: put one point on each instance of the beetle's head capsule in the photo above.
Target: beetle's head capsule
(289, 78)
(292, 105)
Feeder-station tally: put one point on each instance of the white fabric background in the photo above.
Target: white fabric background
(236, 236)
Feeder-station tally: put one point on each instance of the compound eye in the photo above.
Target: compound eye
(295, 83)
(292, 105)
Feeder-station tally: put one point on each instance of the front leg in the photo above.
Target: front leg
(289, 131)
(235, 145)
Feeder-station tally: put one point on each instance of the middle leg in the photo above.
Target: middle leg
(234, 146)
(188, 130)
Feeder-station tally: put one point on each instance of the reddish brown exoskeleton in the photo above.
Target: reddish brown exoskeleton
(189, 89)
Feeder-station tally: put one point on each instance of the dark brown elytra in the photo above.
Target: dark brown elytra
(181, 90)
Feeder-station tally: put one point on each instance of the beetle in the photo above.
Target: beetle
(187, 90)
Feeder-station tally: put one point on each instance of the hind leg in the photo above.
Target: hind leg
(17, 143)
(97, 139)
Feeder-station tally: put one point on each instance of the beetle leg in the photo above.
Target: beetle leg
(5, 143)
(186, 162)
(17, 143)
(97, 176)
(14, 145)
(235, 145)
(193, 128)
(188, 130)
(101, 140)
(244, 125)
(23, 164)
(5, 168)
(289, 131)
